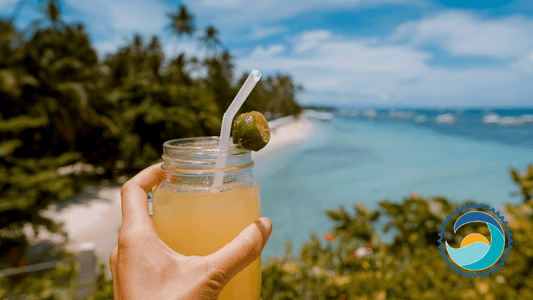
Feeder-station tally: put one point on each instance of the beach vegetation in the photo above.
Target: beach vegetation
(353, 261)
(70, 116)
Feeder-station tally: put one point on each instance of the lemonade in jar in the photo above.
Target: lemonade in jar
(193, 217)
(210, 194)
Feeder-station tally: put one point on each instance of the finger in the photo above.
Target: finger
(113, 265)
(113, 261)
(244, 249)
(134, 195)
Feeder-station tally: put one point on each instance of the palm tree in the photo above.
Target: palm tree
(181, 22)
(282, 92)
(50, 104)
(53, 12)
(219, 78)
(210, 39)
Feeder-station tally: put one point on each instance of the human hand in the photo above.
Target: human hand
(144, 267)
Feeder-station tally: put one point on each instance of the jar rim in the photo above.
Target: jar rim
(198, 156)
(208, 143)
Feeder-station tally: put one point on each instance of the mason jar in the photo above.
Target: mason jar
(193, 217)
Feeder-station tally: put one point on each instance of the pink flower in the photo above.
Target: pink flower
(368, 245)
(329, 237)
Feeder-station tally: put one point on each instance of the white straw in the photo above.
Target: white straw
(243, 93)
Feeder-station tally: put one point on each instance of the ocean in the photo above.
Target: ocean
(383, 154)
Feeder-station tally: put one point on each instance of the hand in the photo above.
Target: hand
(144, 267)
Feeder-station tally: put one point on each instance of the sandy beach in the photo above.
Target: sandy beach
(97, 217)
(292, 132)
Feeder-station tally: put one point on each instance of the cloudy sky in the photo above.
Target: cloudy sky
(355, 53)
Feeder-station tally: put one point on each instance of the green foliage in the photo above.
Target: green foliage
(181, 22)
(61, 105)
(45, 110)
(63, 108)
(274, 96)
(353, 263)
(524, 182)
(58, 283)
(103, 285)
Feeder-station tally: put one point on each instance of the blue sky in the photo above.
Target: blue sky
(355, 53)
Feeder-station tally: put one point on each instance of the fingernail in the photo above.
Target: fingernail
(266, 224)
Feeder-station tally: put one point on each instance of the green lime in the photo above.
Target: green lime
(250, 131)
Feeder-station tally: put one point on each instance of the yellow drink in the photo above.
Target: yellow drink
(202, 223)
(194, 218)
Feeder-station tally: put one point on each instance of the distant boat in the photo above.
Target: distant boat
(511, 121)
(348, 113)
(494, 119)
(401, 114)
(491, 119)
(421, 119)
(527, 118)
(446, 119)
(370, 113)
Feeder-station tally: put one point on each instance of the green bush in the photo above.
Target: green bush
(65, 115)
(352, 262)
(67, 118)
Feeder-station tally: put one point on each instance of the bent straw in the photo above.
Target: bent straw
(243, 93)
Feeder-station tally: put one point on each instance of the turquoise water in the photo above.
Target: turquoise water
(353, 161)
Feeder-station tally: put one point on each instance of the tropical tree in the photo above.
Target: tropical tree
(181, 22)
(275, 96)
(210, 40)
(66, 117)
(352, 261)
(524, 181)
(155, 104)
(50, 118)
(176, 72)
(53, 14)
(219, 78)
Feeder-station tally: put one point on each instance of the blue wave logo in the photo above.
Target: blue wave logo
(475, 252)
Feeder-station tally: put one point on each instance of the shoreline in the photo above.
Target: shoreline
(93, 221)
(283, 136)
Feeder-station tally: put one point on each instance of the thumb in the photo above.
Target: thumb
(244, 249)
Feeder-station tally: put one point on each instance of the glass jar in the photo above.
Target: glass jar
(194, 218)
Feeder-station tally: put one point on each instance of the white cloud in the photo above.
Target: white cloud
(261, 53)
(234, 14)
(337, 69)
(113, 23)
(462, 34)
(121, 17)
(259, 32)
(363, 72)
(222, 4)
(312, 39)
(7, 6)
(524, 64)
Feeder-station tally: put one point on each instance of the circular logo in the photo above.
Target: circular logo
(476, 253)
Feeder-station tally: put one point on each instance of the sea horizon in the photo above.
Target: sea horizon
(386, 108)
(365, 160)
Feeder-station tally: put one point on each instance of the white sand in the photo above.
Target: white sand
(99, 219)
(282, 137)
